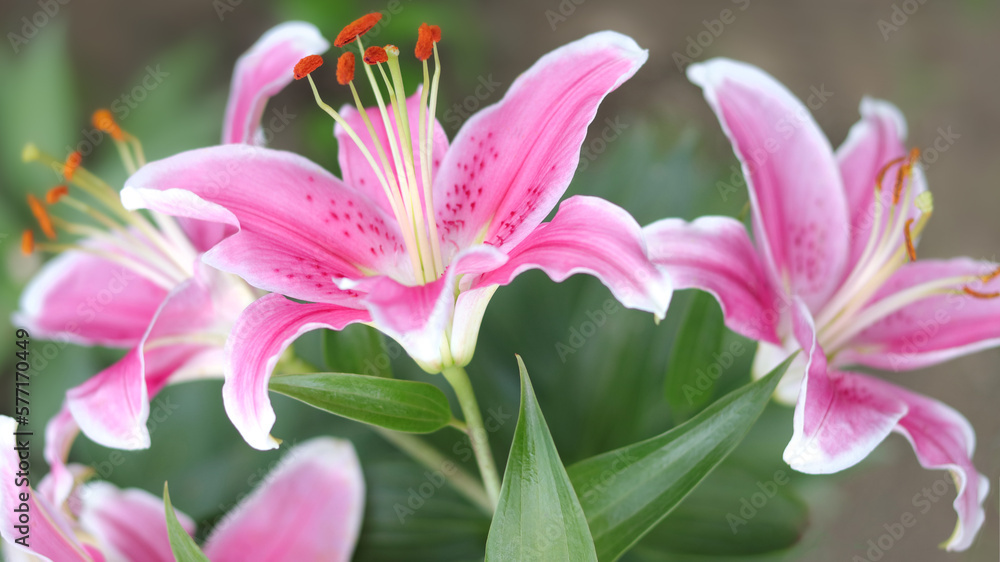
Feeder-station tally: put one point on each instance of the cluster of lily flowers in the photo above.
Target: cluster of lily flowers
(240, 249)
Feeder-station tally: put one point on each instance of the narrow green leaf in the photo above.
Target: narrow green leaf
(411, 406)
(357, 349)
(694, 367)
(626, 492)
(181, 543)
(539, 516)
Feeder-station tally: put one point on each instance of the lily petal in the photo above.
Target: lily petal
(60, 432)
(88, 300)
(470, 306)
(261, 334)
(128, 524)
(840, 417)
(511, 162)
(590, 235)
(355, 168)
(51, 537)
(799, 207)
(418, 316)
(715, 254)
(112, 407)
(299, 226)
(931, 330)
(263, 71)
(872, 142)
(313, 501)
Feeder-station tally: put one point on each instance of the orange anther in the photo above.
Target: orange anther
(910, 249)
(425, 42)
(56, 193)
(885, 169)
(375, 55)
(307, 65)
(345, 68)
(991, 276)
(72, 163)
(104, 121)
(435, 33)
(42, 216)
(27, 242)
(979, 295)
(357, 28)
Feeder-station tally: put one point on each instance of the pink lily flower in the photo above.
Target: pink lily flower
(419, 234)
(141, 285)
(832, 271)
(314, 501)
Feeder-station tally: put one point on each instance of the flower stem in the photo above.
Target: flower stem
(425, 454)
(459, 381)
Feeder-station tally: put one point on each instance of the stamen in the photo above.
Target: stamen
(903, 173)
(42, 216)
(27, 242)
(357, 28)
(375, 55)
(880, 177)
(991, 276)
(73, 162)
(910, 250)
(976, 294)
(307, 65)
(425, 43)
(104, 121)
(345, 69)
(436, 33)
(56, 193)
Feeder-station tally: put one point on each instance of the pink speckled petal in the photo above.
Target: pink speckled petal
(262, 72)
(309, 508)
(511, 162)
(715, 254)
(799, 208)
(261, 334)
(931, 330)
(590, 235)
(299, 226)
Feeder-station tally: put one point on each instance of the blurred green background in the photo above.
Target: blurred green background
(939, 65)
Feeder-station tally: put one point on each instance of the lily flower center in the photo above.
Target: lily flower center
(119, 235)
(890, 246)
(410, 196)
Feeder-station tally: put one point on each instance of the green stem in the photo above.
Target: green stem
(459, 381)
(425, 454)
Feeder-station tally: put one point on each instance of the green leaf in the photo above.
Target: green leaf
(694, 367)
(181, 543)
(400, 405)
(735, 512)
(539, 516)
(357, 349)
(626, 492)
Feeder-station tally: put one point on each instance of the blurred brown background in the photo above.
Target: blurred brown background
(940, 66)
